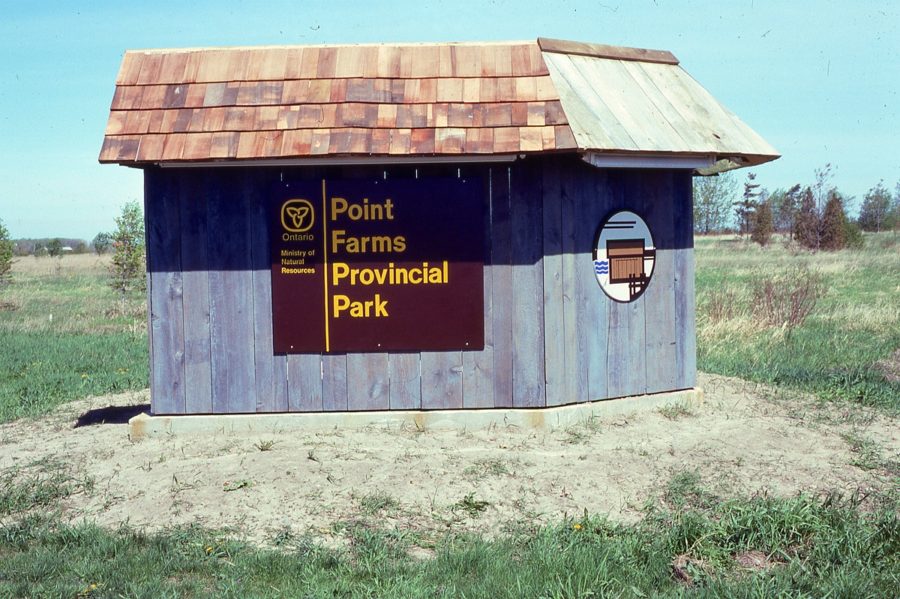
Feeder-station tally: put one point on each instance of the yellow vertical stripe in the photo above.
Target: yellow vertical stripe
(325, 258)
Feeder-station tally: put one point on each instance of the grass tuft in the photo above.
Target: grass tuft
(675, 411)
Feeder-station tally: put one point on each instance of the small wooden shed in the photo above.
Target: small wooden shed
(433, 226)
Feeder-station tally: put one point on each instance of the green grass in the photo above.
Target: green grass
(38, 372)
(835, 352)
(65, 336)
(37, 485)
(688, 544)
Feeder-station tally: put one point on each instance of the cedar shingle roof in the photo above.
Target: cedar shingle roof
(419, 100)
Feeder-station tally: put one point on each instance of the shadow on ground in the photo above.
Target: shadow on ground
(111, 415)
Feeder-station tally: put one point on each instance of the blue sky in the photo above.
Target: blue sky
(818, 79)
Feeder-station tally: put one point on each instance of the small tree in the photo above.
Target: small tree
(54, 248)
(101, 243)
(784, 206)
(875, 213)
(6, 255)
(895, 207)
(127, 268)
(806, 225)
(763, 224)
(713, 197)
(834, 224)
(822, 189)
(746, 208)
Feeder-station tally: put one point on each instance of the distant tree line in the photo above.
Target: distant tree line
(814, 216)
(57, 246)
(47, 246)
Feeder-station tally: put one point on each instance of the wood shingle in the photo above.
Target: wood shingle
(417, 100)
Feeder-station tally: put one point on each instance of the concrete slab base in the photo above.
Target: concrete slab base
(145, 425)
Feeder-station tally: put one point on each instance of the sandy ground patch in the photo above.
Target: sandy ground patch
(740, 442)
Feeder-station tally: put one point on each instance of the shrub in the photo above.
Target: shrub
(763, 224)
(853, 236)
(806, 225)
(54, 248)
(875, 213)
(101, 243)
(834, 225)
(785, 300)
(722, 304)
(6, 255)
(127, 268)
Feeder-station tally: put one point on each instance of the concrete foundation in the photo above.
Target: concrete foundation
(145, 425)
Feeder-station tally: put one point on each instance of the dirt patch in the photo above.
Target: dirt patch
(262, 486)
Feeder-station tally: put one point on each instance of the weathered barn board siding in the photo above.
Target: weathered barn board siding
(442, 380)
(195, 286)
(405, 381)
(165, 293)
(556, 376)
(589, 206)
(501, 287)
(272, 391)
(527, 286)
(478, 366)
(659, 297)
(626, 352)
(551, 336)
(368, 387)
(334, 383)
(230, 295)
(685, 318)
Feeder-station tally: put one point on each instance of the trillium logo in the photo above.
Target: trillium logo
(297, 216)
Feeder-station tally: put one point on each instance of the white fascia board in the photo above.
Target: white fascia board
(666, 161)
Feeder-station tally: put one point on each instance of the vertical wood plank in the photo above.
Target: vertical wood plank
(592, 200)
(478, 366)
(686, 347)
(231, 306)
(527, 286)
(501, 287)
(195, 284)
(162, 218)
(626, 359)
(405, 382)
(368, 387)
(659, 214)
(627, 354)
(557, 375)
(261, 292)
(442, 381)
(334, 383)
(579, 320)
(304, 375)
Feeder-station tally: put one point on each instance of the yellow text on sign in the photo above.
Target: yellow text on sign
(342, 272)
(361, 210)
(373, 308)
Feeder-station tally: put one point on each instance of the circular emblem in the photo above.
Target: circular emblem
(297, 216)
(624, 256)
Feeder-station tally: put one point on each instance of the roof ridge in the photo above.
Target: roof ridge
(362, 45)
(556, 46)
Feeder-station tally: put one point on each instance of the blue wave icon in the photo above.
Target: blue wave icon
(601, 267)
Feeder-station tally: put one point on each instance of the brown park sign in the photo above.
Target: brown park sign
(377, 265)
